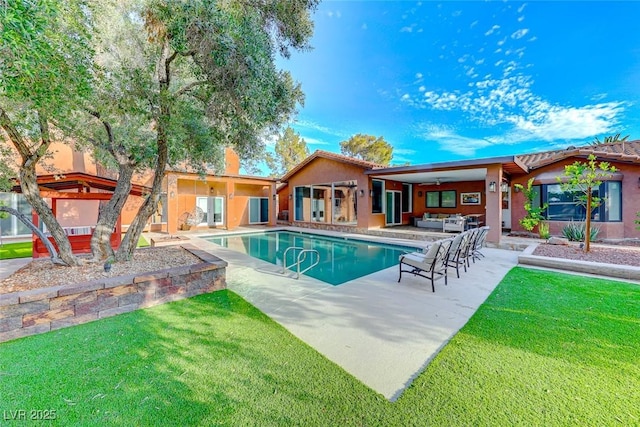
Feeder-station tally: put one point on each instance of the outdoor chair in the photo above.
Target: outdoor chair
(479, 242)
(455, 223)
(431, 265)
(466, 249)
(457, 245)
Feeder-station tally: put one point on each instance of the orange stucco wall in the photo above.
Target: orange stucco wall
(325, 171)
(608, 230)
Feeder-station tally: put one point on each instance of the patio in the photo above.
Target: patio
(382, 332)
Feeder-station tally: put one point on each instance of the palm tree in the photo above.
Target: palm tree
(609, 139)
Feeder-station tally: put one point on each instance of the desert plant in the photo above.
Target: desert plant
(543, 230)
(576, 232)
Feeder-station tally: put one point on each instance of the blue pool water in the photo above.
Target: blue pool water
(341, 260)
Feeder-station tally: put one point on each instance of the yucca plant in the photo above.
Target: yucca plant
(575, 232)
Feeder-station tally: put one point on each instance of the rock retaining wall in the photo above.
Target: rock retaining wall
(46, 309)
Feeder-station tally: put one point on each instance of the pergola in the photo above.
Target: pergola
(77, 186)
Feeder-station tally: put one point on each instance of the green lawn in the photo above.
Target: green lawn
(25, 249)
(545, 349)
(15, 250)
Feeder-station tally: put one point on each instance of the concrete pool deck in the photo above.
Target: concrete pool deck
(382, 332)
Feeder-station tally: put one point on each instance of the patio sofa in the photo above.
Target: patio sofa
(441, 222)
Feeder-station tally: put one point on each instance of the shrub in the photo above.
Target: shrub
(575, 232)
(543, 230)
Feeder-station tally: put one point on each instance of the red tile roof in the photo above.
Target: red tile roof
(627, 151)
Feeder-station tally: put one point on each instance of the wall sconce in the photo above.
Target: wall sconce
(212, 190)
(419, 193)
(516, 189)
(361, 191)
(274, 197)
(231, 195)
(492, 186)
(504, 187)
(371, 193)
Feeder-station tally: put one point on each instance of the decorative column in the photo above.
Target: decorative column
(493, 203)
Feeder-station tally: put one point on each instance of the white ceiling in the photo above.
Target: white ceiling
(477, 174)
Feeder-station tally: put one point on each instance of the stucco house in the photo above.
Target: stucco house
(74, 185)
(328, 190)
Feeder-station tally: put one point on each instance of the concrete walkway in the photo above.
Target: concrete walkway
(382, 332)
(10, 266)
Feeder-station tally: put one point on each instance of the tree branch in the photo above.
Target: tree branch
(190, 86)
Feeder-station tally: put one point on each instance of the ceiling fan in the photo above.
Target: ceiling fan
(436, 182)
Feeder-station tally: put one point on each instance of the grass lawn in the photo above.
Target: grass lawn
(545, 349)
(15, 250)
(25, 249)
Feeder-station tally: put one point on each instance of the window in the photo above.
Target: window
(258, 210)
(376, 202)
(433, 199)
(407, 205)
(448, 199)
(570, 206)
(302, 203)
(12, 226)
(441, 199)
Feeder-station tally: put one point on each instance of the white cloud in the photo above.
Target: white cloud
(521, 8)
(422, 89)
(406, 29)
(314, 141)
(473, 24)
(403, 151)
(520, 33)
(405, 97)
(501, 42)
(452, 142)
(492, 30)
(418, 75)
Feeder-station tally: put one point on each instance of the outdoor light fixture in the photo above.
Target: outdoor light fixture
(274, 197)
(361, 191)
(371, 193)
(492, 186)
(504, 187)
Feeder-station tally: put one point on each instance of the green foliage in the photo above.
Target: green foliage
(577, 231)
(534, 213)
(369, 148)
(290, 149)
(583, 178)
(637, 221)
(609, 139)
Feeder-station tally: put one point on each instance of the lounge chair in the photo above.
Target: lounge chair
(478, 243)
(457, 245)
(431, 265)
(466, 249)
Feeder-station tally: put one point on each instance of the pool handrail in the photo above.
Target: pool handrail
(299, 261)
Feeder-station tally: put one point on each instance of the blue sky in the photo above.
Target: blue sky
(453, 80)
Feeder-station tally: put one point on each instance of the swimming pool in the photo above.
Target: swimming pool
(341, 260)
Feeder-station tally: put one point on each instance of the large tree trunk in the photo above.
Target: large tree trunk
(109, 213)
(29, 185)
(29, 182)
(129, 243)
(26, 221)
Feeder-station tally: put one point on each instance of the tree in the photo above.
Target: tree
(583, 178)
(173, 83)
(369, 148)
(290, 149)
(534, 213)
(609, 139)
(45, 71)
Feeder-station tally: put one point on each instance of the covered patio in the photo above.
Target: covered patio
(478, 190)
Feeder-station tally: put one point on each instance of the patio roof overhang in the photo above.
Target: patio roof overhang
(462, 170)
(60, 186)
